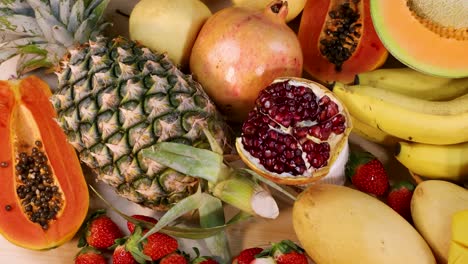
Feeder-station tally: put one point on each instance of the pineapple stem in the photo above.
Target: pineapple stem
(244, 193)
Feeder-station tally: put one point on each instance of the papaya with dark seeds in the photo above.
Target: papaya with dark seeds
(44, 196)
(338, 40)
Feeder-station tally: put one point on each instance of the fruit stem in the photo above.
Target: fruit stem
(241, 191)
(279, 8)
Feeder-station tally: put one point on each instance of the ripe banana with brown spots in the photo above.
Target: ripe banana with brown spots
(405, 117)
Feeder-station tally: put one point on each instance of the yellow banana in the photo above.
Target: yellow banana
(414, 83)
(449, 162)
(373, 134)
(452, 107)
(402, 122)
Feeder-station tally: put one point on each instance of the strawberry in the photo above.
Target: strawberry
(367, 173)
(154, 247)
(174, 258)
(131, 226)
(122, 256)
(159, 245)
(202, 259)
(100, 231)
(264, 260)
(399, 199)
(89, 255)
(205, 260)
(287, 252)
(247, 255)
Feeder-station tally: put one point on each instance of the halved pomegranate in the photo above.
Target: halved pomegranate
(296, 133)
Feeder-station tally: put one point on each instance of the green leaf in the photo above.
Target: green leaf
(44, 18)
(184, 206)
(96, 8)
(65, 10)
(61, 35)
(32, 49)
(54, 7)
(7, 53)
(241, 216)
(211, 215)
(188, 160)
(32, 64)
(215, 147)
(76, 16)
(18, 7)
(20, 25)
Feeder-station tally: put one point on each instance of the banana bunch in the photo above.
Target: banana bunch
(425, 117)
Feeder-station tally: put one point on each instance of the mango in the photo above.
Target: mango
(339, 225)
(433, 204)
(458, 253)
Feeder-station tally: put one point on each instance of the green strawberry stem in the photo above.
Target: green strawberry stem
(212, 214)
(403, 185)
(279, 248)
(84, 228)
(135, 247)
(356, 159)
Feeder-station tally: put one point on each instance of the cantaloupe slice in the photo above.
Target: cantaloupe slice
(428, 35)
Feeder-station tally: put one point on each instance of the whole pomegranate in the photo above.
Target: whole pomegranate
(239, 51)
(296, 134)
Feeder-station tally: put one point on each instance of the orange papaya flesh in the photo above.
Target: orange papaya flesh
(27, 122)
(338, 40)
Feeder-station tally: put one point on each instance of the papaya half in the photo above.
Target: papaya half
(44, 197)
(338, 40)
(429, 36)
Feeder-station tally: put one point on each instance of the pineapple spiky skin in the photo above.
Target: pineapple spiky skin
(116, 98)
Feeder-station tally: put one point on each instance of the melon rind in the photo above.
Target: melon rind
(414, 44)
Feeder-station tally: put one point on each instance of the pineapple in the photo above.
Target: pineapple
(114, 97)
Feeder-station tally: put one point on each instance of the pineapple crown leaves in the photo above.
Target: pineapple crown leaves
(42, 31)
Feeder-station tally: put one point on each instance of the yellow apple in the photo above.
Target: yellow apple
(169, 26)
(295, 6)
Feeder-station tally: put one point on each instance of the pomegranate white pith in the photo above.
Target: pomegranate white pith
(296, 132)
